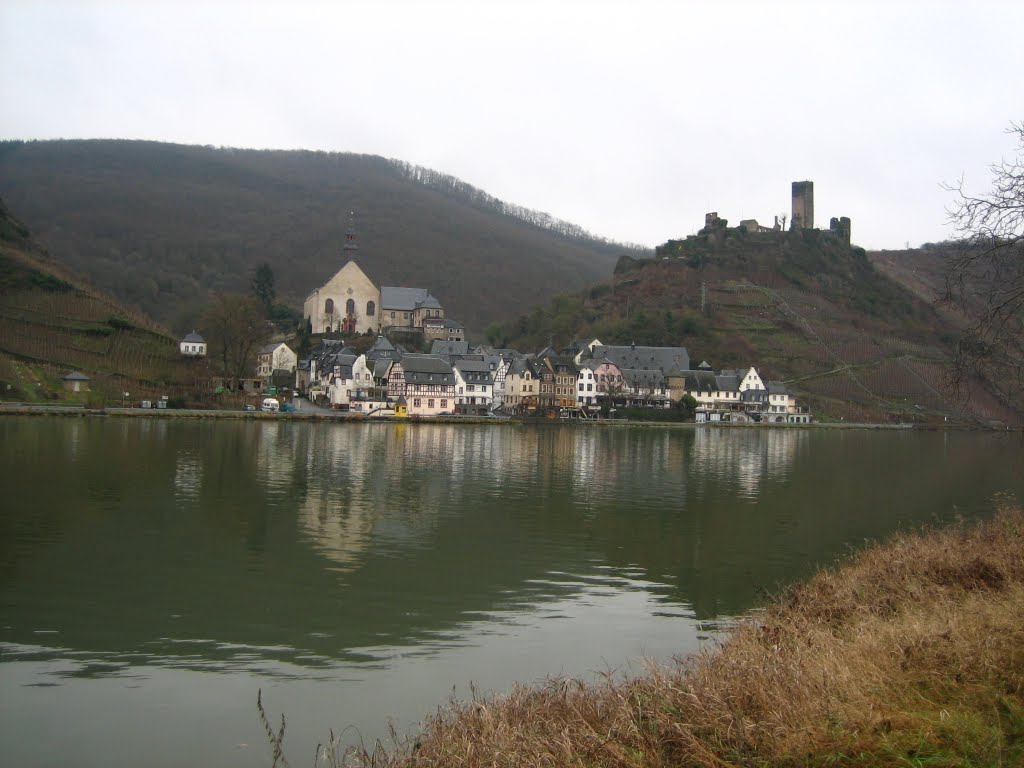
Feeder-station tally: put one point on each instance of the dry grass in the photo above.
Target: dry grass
(910, 655)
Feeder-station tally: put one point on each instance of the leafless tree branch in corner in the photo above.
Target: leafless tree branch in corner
(985, 278)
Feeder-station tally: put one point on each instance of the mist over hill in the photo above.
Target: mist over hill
(161, 226)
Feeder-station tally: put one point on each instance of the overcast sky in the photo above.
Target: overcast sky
(631, 119)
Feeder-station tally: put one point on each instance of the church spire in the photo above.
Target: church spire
(350, 247)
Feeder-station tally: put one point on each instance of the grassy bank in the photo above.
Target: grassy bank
(911, 654)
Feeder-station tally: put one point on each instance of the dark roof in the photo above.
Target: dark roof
(664, 359)
(474, 371)
(194, 338)
(427, 369)
(76, 376)
(700, 381)
(777, 388)
(382, 348)
(728, 382)
(644, 377)
(407, 299)
(449, 348)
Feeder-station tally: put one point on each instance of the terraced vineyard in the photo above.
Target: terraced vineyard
(51, 324)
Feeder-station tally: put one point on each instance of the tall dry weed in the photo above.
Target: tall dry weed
(910, 654)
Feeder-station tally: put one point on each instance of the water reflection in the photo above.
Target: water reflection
(418, 555)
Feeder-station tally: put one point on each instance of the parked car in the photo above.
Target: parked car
(248, 407)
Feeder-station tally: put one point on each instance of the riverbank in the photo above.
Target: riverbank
(910, 654)
(29, 409)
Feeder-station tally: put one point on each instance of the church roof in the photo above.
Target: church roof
(407, 299)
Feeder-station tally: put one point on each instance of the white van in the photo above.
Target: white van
(270, 405)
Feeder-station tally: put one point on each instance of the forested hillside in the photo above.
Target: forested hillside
(804, 307)
(162, 225)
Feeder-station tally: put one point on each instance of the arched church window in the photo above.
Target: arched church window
(350, 307)
(371, 309)
(329, 307)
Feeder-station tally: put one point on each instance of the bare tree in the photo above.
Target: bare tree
(236, 327)
(985, 277)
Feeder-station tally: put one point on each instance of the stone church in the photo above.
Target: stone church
(351, 303)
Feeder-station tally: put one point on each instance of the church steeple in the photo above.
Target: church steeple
(350, 247)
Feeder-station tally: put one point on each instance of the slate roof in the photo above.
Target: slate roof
(76, 376)
(449, 348)
(474, 371)
(665, 359)
(194, 338)
(427, 369)
(777, 388)
(700, 381)
(382, 348)
(754, 396)
(728, 382)
(643, 378)
(407, 299)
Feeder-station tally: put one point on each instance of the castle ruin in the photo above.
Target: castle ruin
(803, 205)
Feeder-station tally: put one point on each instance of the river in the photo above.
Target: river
(157, 573)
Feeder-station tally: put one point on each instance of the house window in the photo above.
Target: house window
(350, 307)
(329, 309)
(444, 403)
(392, 315)
(405, 315)
(416, 402)
(430, 403)
(371, 309)
(590, 387)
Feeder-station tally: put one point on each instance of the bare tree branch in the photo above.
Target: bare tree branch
(985, 277)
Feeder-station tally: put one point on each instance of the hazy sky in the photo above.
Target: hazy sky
(631, 119)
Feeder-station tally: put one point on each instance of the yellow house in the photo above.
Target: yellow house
(402, 408)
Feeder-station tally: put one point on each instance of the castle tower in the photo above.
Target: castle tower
(803, 205)
(350, 248)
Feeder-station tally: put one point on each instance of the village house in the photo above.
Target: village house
(276, 356)
(192, 345)
(429, 385)
(474, 385)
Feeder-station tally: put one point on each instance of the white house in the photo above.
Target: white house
(192, 345)
(474, 383)
(586, 384)
(276, 356)
(351, 379)
(429, 385)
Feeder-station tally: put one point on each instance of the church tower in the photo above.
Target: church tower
(350, 248)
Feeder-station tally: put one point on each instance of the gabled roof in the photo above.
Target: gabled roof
(472, 364)
(426, 364)
(665, 359)
(777, 388)
(643, 377)
(449, 348)
(728, 382)
(381, 348)
(407, 299)
(76, 376)
(700, 381)
(194, 338)
(273, 346)
(427, 369)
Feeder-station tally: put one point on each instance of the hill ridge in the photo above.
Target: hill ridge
(162, 225)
